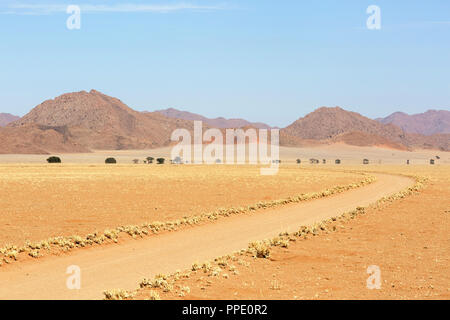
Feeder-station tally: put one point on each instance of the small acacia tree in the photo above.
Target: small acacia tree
(150, 160)
(110, 160)
(160, 160)
(54, 159)
(299, 161)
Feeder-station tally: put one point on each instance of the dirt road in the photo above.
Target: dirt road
(124, 266)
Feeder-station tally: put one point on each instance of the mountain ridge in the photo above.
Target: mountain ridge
(331, 125)
(6, 118)
(85, 121)
(426, 123)
(219, 122)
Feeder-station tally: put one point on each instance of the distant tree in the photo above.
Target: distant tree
(110, 160)
(150, 160)
(366, 161)
(160, 160)
(324, 161)
(337, 161)
(135, 161)
(54, 159)
(299, 161)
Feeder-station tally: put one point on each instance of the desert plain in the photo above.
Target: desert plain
(88, 213)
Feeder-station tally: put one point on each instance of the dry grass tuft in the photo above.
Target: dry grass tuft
(118, 294)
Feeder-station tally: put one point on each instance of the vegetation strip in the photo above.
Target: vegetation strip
(11, 253)
(259, 249)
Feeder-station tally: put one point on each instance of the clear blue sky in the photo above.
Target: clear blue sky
(271, 61)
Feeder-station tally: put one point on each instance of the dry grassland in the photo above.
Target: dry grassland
(42, 201)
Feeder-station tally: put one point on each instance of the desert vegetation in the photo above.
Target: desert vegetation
(54, 159)
(110, 161)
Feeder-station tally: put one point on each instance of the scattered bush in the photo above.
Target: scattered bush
(150, 160)
(117, 294)
(260, 249)
(54, 159)
(110, 160)
(160, 160)
(299, 161)
(153, 295)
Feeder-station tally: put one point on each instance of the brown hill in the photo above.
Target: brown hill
(330, 125)
(428, 123)
(220, 123)
(6, 118)
(97, 121)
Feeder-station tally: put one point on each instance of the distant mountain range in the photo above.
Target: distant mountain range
(336, 125)
(220, 123)
(428, 123)
(85, 121)
(6, 118)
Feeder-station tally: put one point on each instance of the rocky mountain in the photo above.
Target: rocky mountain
(97, 121)
(220, 123)
(427, 123)
(6, 118)
(331, 125)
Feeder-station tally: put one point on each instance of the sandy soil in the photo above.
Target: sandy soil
(407, 239)
(123, 266)
(42, 201)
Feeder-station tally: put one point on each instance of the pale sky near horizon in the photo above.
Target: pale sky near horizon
(269, 61)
